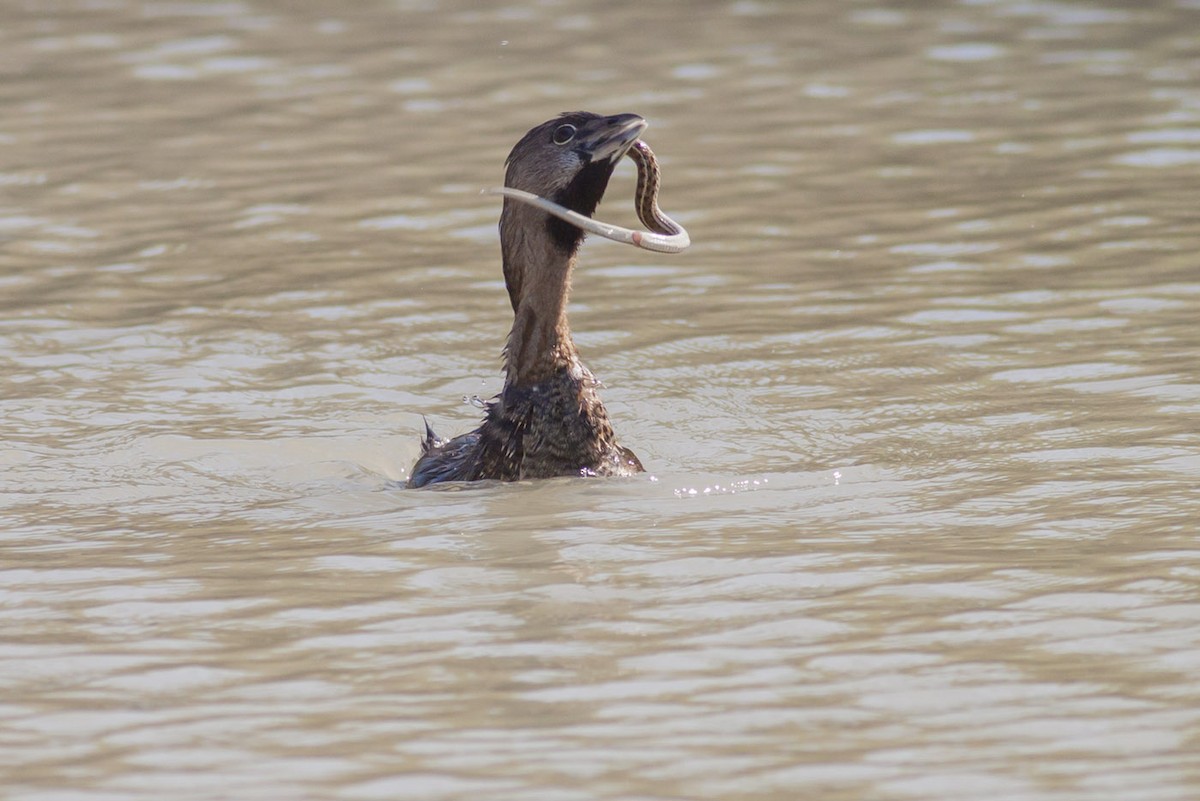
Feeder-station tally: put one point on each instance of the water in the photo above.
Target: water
(920, 406)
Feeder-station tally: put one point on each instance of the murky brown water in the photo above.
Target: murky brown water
(921, 405)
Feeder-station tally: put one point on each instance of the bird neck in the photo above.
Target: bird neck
(537, 272)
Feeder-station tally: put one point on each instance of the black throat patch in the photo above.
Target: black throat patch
(583, 194)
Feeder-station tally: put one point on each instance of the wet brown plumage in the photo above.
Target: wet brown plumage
(549, 419)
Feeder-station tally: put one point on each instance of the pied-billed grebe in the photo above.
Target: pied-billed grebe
(549, 420)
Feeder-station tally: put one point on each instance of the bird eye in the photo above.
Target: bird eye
(564, 133)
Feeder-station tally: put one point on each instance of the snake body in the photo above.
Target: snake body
(646, 196)
(665, 235)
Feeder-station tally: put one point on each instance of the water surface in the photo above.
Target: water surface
(920, 405)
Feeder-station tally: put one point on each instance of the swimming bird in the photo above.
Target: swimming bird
(548, 420)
